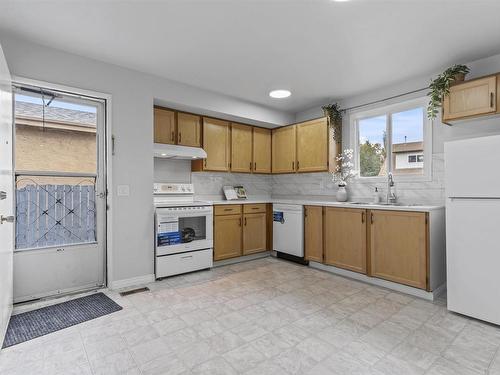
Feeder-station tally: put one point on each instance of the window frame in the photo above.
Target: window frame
(389, 110)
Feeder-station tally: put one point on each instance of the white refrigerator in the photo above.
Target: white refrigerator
(472, 185)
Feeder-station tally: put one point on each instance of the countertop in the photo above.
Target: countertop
(410, 207)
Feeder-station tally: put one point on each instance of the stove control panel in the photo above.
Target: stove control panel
(166, 188)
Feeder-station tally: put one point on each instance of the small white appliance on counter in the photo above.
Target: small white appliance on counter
(183, 230)
(288, 231)
(472, 181)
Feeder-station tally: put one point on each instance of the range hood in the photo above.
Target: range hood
(178, 152)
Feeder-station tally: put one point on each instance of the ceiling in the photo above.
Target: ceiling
(319, 49)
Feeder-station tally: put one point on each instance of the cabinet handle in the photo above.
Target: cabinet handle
(293, 165)
(363, 217)
(371, 217)
(255, 166)
(228, 209)
(298, 165)
(492, 99)
(172, 137)
(305, 212)
(245, 221)
(205, 163)
(180, 137)
(240, 221)
(250, 166)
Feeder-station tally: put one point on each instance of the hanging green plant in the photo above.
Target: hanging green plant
(334, 116)
(440, 87)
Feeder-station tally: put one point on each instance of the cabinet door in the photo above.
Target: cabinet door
(284, 149)
(312, 146)
(188, 130)
(254, 233)
(398, 247)
(227, 239)
(471, 98)
(345, 238)
(241, 148)
(313, 233)
(216, 144)
(261, 150)
(164, 126)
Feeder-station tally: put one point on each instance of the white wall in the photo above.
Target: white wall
(133, 94)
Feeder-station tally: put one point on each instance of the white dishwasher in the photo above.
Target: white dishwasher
(288, 229)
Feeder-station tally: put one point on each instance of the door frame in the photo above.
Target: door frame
(109, 152)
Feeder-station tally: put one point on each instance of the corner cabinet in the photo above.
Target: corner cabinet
(345, 238)
(399, 247)
(472, 98)
(284, 149)
(312, 146)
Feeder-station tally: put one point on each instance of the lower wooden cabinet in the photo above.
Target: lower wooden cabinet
(227, 236)
(313, 233)
(254, 233)
(345, 238)
(399, 247)
(239, 230)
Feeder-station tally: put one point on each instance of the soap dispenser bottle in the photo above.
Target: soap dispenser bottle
(376, 196)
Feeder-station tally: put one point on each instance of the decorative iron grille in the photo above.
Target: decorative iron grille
(54, 214)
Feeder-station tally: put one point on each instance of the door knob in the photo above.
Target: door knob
(3, 195)
(6, 219)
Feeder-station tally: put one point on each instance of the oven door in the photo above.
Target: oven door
(182, 229)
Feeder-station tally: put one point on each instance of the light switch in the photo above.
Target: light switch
(123, 190)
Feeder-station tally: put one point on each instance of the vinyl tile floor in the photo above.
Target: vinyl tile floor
(265, 316)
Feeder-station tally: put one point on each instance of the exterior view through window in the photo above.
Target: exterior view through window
(56, 169)
(392, 142)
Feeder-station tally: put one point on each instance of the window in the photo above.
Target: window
(392, 139)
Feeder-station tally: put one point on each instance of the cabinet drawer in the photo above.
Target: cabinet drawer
(254, 208)
(176, 264)
(227, 209)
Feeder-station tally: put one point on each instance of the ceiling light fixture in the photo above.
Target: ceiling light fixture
(280, 94)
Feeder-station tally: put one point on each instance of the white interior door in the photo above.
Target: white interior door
(6, 196)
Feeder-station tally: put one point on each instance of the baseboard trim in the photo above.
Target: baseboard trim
(430, 296)
(133, 281)
(243, 258)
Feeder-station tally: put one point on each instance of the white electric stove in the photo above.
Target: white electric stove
(183, 230)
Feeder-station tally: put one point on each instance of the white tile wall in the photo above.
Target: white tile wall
(209, 184)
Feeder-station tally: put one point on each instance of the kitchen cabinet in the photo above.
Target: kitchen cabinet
(261, 150)
(313, 233)
(471, 98)
(216, 142)
(398, 242)
(345, 238)
(240, 230)
(227, 236)
(284, 149)
(241, 148)
(312, 146)
(188, 130)
(164, 126)
(254, 232)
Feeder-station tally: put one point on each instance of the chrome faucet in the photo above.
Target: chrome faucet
(391, 196)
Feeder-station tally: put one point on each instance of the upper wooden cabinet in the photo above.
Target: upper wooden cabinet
(313, 233)
(399, 247)
(241, 148)
(471, 98)
(284, 149)
(345, 238)
(164, 126)
(216, 142)
(261, 150)
(312, 146)
(188, 130)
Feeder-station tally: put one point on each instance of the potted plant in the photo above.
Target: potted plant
(334, 115)
(344, 172)
(440, 87)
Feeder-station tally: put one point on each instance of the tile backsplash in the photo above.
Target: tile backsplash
(316, 186)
